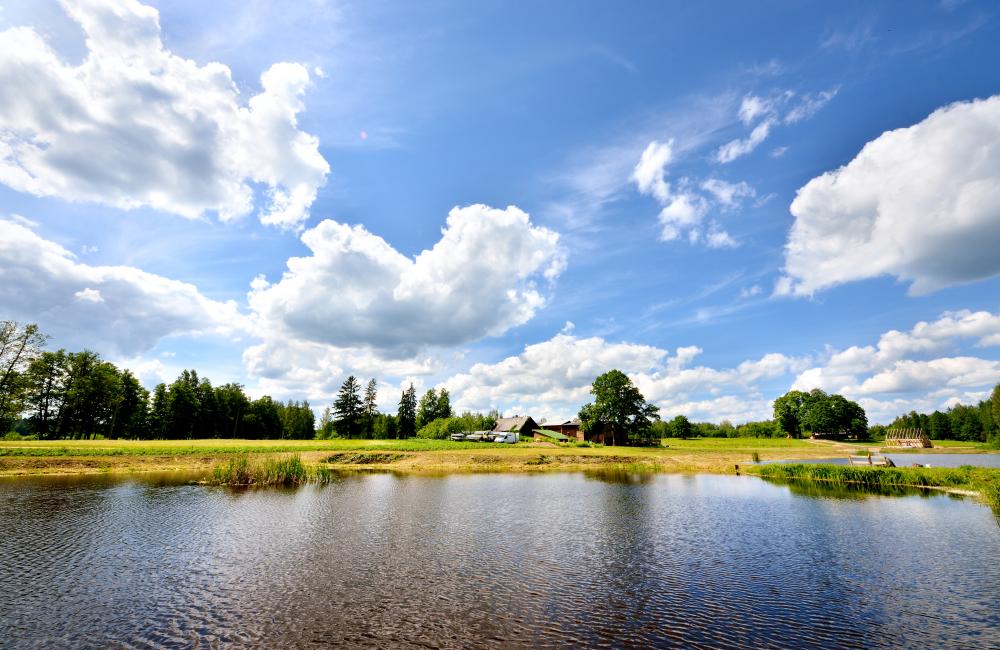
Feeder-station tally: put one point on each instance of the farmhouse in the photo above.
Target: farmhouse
(569, 428)
(522, 424)
(574, 431)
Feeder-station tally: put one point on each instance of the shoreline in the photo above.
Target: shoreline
(416, 456)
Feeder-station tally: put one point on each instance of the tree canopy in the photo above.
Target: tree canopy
(433, 405)
(619, 410)
(797, 413)
(974, 423)
(77, 395)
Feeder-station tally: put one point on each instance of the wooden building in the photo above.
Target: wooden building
(573, 430)
(548, 435)
(569, 428)
(907, 438)
(523, 425)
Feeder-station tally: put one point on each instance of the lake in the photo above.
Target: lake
(493, 560)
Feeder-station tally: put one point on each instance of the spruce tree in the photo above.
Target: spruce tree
(347, 409)
(370, 407)
(407, 414)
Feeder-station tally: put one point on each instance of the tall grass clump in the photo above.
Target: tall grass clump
(986, 481)
(241, 470)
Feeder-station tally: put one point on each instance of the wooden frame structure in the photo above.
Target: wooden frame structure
(907, 438)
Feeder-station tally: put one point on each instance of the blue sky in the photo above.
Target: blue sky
(725, 200)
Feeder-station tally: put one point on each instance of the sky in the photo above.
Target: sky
(724, 200)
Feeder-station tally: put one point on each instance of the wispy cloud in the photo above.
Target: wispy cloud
(597, 175)
(765, 112)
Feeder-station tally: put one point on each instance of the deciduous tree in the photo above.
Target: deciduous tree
(619, 409)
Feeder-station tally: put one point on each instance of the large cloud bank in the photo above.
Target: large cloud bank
(925, 368)
(134, 125)
(356, 302)
(920, 203)
(552, 379)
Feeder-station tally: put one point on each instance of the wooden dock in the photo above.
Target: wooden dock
(872, 459)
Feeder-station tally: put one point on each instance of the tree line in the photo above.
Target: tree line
(973, 423)
(79, 395)
(354, 414)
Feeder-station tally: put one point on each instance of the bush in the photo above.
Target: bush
(765, 429)
(442, 428)
(14, 436)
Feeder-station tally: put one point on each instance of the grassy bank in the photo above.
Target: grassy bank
(984, 481)
(717, 455)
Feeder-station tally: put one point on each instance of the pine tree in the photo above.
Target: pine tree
(370, 407)
(348, 409)
(407, 414)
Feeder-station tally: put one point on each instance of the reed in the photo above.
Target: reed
(985, 481)
(287, 471)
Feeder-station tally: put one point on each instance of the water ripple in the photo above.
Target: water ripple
(491, 561)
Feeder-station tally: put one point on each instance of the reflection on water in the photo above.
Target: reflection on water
(496, 560)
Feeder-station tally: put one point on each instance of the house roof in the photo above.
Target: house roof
(555, 435)
(575, 422)
(515, 423)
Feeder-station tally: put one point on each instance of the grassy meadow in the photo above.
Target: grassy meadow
(719, 455)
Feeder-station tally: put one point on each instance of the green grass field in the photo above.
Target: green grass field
(218, 446)
(414, 455)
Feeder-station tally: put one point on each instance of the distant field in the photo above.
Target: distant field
(212, 446)
(720, 455)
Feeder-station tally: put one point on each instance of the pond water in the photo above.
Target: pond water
(493, 560)
(908, 459)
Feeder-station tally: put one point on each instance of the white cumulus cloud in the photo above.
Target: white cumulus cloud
(920, 203)
(551, 380)
(904, 370)
(356, 291)
(121, 310)
(134, 125)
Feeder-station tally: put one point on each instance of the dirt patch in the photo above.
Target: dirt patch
(19, 465)
(365, 458)
(487, 460)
